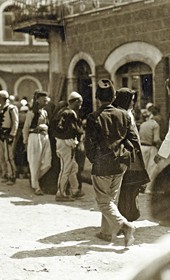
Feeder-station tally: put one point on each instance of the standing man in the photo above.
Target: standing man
(8, 128)
(149, 134)
(108, 138)
(36, 139)
(68, 131)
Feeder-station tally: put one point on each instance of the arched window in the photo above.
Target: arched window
(8, 34)
(3, 85)
(138, 76)
(25, 87)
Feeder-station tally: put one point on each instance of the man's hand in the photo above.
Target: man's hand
(10, 139)
(157, 158)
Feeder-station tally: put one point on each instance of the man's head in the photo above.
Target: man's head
(75, 100)
(3, 96)
(126, 98)
(41, 97)
(105, 91)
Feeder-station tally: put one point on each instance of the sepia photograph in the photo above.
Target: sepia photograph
(85, 139)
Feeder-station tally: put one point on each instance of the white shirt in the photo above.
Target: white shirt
(164, 150)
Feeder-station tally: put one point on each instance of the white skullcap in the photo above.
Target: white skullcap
(75, 95)
(4, 94)
(23, 102)
(148, 105)
(12, 97)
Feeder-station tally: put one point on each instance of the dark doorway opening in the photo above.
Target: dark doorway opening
(84, 86)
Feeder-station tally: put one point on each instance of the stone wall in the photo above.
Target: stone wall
(99, 34)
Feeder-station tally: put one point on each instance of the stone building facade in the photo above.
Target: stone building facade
(127, 41)
(24, 60)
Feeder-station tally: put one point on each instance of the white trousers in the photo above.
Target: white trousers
(39, 156)
(68, 167)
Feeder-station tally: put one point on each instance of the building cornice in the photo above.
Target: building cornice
(24, 57)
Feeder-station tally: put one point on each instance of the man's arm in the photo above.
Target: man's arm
(156, 135)
(164, 150)
(27, 124)
(14, 120)
(90, 142)
(132, 140)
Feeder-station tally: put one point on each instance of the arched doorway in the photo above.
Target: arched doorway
(2, 84)
(138, 76)
(140, 55)
(25, 87)
(83, 84)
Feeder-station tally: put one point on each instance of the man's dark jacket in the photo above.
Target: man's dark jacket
(109, 140)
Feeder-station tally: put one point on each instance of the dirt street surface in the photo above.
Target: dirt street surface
(42, 239)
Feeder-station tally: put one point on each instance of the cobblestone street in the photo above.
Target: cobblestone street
(42, 239)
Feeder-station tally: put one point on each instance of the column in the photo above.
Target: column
(55, 63)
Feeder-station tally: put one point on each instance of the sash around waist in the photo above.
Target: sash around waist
(144, 144)
(38, 131)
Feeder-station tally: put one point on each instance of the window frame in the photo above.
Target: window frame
(3, 6)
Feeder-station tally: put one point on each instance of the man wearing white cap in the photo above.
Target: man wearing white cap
(68, 132)
(8, 129)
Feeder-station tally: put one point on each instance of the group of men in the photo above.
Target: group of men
(108, 130)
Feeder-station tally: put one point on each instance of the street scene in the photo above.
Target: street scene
(85, 139)
(43, 239)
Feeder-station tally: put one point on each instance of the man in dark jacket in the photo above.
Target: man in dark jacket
(68, 131)
(109, 143)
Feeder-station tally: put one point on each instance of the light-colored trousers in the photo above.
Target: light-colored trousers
(39, 157)
(68, 167)
(7, 159)
(149, 153)
(107, 190)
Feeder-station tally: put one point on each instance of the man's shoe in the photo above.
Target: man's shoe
(105, 237)
(120, 233)
(78, 194)
(10, 182)
(64, 198)
(39, 192)
(129, 230)
(4, 179)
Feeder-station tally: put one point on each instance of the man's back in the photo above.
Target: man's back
(67, 124)
(107, 131)
(149, 132)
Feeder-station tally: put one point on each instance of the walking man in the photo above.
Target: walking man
(68, 131)
(8, 128)
(108, 142)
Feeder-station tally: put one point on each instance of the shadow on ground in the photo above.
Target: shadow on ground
(72, 243)
(82, 241)
(21, 194)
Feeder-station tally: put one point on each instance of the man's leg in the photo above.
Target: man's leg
(64, 152)
(2, 161)
(9, 159)
(74, 183)
(34, 151)
(107, 189)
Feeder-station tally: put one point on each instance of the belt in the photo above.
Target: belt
(143, 144)
(37, 130)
